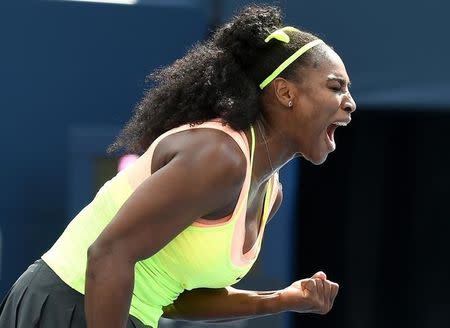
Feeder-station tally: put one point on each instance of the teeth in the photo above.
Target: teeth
(340, 123)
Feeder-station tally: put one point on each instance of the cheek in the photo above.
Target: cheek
(326, 110)
(310, 112)
(314, 114)
(319, 104)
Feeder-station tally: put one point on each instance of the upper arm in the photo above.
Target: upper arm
(196, 181)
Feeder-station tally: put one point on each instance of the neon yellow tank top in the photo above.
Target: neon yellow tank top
(207, 254)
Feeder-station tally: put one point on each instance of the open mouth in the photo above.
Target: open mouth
(330, 133)
(330, 136)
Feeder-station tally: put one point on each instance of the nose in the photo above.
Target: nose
(348, 104)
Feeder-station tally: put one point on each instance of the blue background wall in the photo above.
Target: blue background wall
(64, 65)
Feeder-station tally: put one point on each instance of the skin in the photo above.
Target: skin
(141, 228)
(318, 100)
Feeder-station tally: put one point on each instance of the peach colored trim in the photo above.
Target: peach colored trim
(238, 257)
(141, 169)
(242, 200)
(273, 197)
(211, 223)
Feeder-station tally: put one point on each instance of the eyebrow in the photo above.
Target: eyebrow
(340, 80)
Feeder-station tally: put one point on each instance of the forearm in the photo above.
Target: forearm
(109, 285)
(225, 304)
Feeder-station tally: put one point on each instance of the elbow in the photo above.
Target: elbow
(91, 252)
(106, 256)
(95, 253)
(96, 258)
(101, 257)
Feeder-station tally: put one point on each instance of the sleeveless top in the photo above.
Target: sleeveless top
(207, 254)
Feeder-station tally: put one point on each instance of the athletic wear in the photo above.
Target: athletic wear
(206, 254)
(39, 298)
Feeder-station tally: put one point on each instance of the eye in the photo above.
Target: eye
(336, 88)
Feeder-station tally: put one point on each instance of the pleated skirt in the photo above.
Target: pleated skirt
(39, 298)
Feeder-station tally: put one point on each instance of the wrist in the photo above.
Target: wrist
(274, 304)
(285, 301)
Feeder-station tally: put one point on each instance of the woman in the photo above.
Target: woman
(171, 233)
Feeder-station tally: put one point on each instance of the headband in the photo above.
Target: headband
(280, 35)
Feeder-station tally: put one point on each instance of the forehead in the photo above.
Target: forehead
(327, 64)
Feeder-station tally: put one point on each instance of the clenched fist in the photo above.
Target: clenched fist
(313, 295)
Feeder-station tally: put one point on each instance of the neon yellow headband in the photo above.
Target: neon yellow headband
(280, 35)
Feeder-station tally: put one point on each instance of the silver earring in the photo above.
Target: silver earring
(290, 103)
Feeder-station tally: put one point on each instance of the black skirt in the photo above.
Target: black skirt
(39, 298)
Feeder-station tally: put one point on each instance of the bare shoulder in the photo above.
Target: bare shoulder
(211, 151)
(204, 172)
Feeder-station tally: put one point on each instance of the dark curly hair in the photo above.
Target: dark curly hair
(217, 78)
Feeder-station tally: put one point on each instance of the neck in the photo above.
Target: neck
(278, 149)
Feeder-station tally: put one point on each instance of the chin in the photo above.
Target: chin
(321, 161)
(316, 160)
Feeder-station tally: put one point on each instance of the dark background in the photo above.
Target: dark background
(374, 216)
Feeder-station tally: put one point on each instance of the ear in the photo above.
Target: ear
(285, 92)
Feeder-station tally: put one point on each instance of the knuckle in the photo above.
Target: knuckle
(335, 287)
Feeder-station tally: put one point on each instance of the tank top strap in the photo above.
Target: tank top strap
(141, 168)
